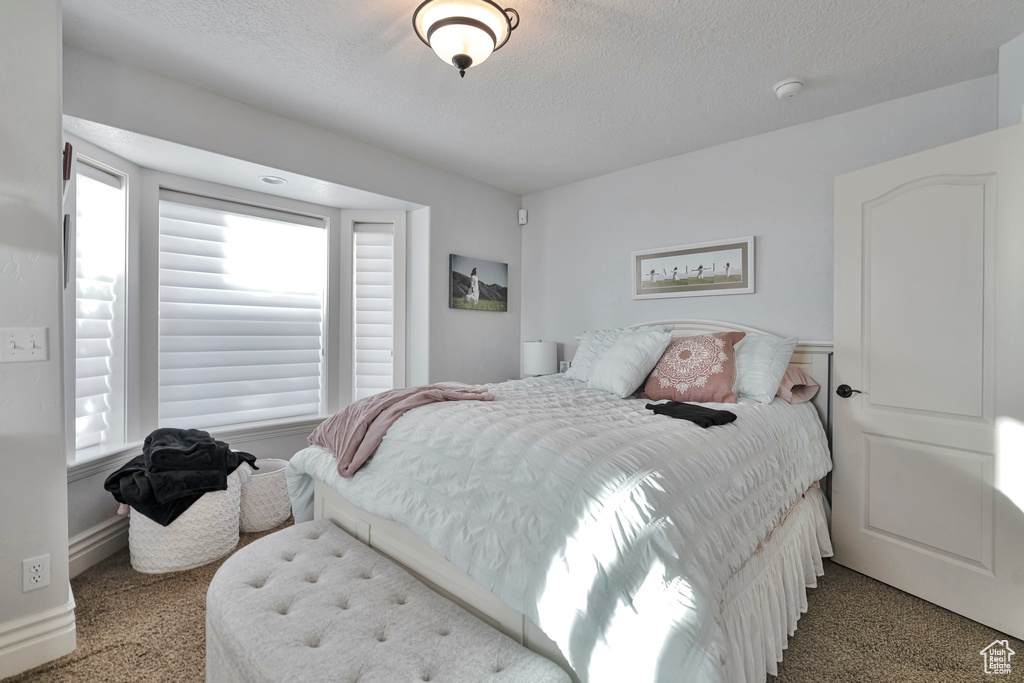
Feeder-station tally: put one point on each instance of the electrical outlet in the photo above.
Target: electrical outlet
(35, 573)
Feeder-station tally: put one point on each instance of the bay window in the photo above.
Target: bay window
(241, 313)
(206, 307)
(99, 271)
(374, 305)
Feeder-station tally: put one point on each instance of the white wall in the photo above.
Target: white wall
(777, 186)
(33, 495)
(1011, 82)
(466, 216)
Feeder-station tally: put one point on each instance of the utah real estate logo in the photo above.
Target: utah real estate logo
(997, 657)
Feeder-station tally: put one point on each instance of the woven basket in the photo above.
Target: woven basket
(207, 531)
(265, 502)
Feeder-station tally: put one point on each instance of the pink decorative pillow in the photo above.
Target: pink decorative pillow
(797, 386)
(699, 369)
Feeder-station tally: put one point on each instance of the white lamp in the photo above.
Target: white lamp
(464, 32)
(540, 358)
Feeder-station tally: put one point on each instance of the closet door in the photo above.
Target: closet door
(928, 486)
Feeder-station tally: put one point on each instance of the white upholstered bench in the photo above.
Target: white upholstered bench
(311, 603)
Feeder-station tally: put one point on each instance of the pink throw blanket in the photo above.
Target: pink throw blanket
(354, 433)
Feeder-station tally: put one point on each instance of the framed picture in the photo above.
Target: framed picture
(477, 284)
(705, 269)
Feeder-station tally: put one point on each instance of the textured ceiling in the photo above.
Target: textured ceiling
(583, 87)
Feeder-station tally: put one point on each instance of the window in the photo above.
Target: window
(374, 308)
(100, 241)
(241, 313)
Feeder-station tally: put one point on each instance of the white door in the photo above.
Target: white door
(928, 487)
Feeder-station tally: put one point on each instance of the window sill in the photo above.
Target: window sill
(103, 458)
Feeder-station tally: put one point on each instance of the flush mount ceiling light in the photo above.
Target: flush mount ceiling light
(464, 32)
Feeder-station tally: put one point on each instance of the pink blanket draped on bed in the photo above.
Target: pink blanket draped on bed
(354, 433)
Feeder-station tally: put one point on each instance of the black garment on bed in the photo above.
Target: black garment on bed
(176, 468)
(699, 415)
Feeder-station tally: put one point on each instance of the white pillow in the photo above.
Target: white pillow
(630, 359)
(761, 361)
(593, 345)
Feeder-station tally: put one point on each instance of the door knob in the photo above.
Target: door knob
(845, 391)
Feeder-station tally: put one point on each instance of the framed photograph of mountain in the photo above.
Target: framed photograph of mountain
(705, 269)
(477, 284)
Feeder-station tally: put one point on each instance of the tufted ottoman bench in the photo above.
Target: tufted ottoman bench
(311, 603)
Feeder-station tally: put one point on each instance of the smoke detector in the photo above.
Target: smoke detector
(788, 88)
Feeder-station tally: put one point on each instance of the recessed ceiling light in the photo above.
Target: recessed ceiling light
(273, 179)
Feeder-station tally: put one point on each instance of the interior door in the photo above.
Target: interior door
(928, 486)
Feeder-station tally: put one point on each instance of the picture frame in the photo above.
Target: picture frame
(476, 284)
(699, 269)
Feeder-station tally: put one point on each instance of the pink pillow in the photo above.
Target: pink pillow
(797, 386)
(699, 369)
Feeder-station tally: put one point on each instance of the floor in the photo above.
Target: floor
(859, 630)
(138, 627)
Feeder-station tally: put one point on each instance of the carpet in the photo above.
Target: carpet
(140, 628)
(143, 628)
(859, 630)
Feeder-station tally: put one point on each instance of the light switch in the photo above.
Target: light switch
(23, 344)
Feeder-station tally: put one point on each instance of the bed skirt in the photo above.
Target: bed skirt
(766, 597)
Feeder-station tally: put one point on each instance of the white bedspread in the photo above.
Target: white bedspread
(612, 529)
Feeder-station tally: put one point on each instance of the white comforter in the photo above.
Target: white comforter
(612, 529)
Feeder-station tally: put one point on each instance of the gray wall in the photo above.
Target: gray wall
(32, 456)
(466, 216)
(777, 186)
(1011, 81)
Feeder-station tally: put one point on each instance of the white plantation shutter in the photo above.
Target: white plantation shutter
(99, 306)
(374, 309)
(241, 313)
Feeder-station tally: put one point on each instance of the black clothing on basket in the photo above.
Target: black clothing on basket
(176, 468)
(185, 461)
(699, 415)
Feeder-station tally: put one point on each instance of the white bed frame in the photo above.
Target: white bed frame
(397, 542)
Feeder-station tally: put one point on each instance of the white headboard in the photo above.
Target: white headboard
(813, 357)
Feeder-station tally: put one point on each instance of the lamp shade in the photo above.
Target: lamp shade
(464, 32)
(540, 358)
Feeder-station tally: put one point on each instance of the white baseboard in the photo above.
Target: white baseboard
(97, 544)
(35, 639)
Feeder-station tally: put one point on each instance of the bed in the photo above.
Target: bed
(621, 546)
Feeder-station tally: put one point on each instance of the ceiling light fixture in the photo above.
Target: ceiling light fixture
(273, 179)
(464, 32)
